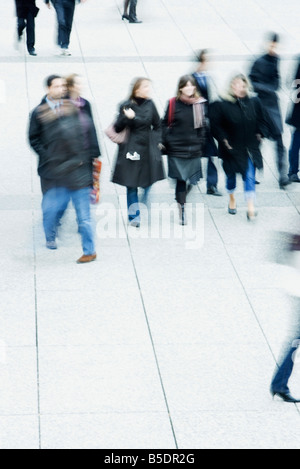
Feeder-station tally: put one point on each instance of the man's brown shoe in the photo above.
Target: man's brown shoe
(87, 259)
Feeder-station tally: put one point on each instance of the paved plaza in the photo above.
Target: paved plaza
(171, 338)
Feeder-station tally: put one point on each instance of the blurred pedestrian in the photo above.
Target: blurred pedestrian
(65, 14)
(132, 16)
(26, 14)
(139, 162)
(284, 370)
(294, 120)
(62, 143)
(265, 77)
(237, 122)
(206, 87)
(184, 132)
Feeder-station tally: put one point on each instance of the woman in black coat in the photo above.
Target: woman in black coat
(26, 14)
(184, 138)
(237, 123)
(139, 163)
(294, 120)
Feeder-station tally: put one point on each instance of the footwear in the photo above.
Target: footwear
(125, 17)
(214, 191)
(86, 259)
(65, 53)
(257, 183)
(232, 211)
(286, 397)
(251, 217)
(51, 245)
(294, 178)
(135, 21)
(283, 183)
(134, 224)
(32, 52)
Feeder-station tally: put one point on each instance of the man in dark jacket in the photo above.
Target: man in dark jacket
(65, 14)
(26, 14)
(294, 120)
(265, 78)
(65, 164)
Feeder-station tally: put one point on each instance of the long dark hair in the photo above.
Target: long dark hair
(182, 84)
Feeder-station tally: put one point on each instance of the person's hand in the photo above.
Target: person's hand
(129, 113)
(226, 143)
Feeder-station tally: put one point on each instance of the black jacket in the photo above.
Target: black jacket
(266, 82)
(293, 117)
(24, 7)
(238, 122)
(144, 138)
(181, 139)
(66, 148)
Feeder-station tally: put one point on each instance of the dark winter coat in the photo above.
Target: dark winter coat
(144, 139)
(238, 121)
(204, 89)
(65, 148)
(181, 139)
(294, 115)
(266, 81)
(24, 7)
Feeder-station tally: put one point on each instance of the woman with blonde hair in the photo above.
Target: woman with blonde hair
(139, 162)
(237, 122)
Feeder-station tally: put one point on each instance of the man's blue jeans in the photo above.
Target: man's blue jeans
(65, 14)
(249, 181)
(294, 153)
(55, 202)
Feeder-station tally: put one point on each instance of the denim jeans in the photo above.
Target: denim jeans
(134, 213)
(65, 14)
(249, 181)
(294, 153)
(55, 202)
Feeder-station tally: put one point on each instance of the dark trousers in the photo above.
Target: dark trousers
(294, 153)
(286, 366)
(132, 10)
(65, 14)
(281, 157)
(28, 24)
(212, 174)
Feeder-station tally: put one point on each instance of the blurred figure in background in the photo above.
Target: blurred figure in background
(26, 14)
(184, 139)
(237, 123)
(205, 87)
(265, 77)
(294, 120)
(131, 17)
(65, 164)
(65, 14)
(139, 162)
(284, 370)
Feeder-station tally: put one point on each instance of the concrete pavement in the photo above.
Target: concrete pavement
(163, 342)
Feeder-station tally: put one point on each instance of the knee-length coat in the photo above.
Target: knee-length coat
(144, 139)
